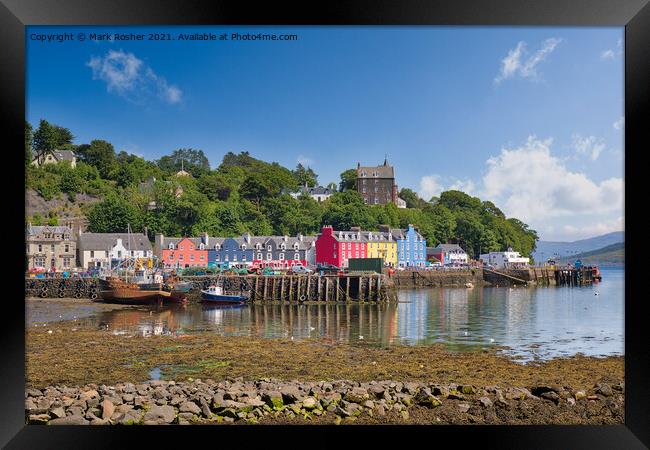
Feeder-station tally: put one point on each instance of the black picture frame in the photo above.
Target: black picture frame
(634, 15)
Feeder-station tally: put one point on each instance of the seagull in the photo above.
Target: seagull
(491, 340)
(360, 337)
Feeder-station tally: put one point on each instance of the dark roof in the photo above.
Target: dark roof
(33, 230)
(102, 241)
(64, 155)
(448, 247)
(383, 171)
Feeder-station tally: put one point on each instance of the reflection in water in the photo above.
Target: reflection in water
(534, 323)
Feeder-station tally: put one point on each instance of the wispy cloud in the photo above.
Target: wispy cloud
(610, 54)
(434, 185)
(619, 124)
(305, 160)
(517, 64)
(590, 145)
(128, 76)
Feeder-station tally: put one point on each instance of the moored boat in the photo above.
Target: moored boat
(119, 291)
(215, 294)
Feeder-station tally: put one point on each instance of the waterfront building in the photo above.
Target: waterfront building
(380, 244)
(506, 260)
(55, 157)
(182, 252)
(318, 193)
(376, 184)
(50, 247)
(335, 248)
(232, 250)
(283, 252)
(411, 247)
(450, 254)
(105, 250)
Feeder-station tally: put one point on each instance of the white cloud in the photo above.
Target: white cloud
(128, 76)
(433, 185)
(597, 229)
(533, 185)
(607, 54)
(305, 160)
(514, 63)
(590, 146)
(619, 124)
(611, 54)
(430, 186)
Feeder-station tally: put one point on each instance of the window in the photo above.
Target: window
(269, 257)
(217, 247)
(243, 258)
(40, 249)
(226, 258)
(39, 261)
(171, 246)
(67, 248)
(234, 257)
(52, 248)
(268, 247)
(243, 246)
(191, 247)
(296, 256)
(92, 253)
(201, 247)
(281, 256)
(282, 246)
(295, 246)
(216, 258)
(119, 253)
(259, 256)
(181, 247)
(180, 257)
(258, 246)
(364, 189)
(132, 252)
(356, 255)
(66, 261)
(376, 201)
(192, 257)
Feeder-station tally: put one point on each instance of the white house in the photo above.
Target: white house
(449, 254)
(505, 260)
(318, 193)
(100, 249)
(57, 156)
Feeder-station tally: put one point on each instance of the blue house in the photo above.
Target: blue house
(231, 250)
(411, 247)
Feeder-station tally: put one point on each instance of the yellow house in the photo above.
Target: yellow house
(381, 245)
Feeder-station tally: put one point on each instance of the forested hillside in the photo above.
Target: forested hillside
(244, 194)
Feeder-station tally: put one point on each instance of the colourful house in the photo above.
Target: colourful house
(381, 244)
(334, 248)
(411, 247)
(182, 252)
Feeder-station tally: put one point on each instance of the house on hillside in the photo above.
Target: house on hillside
(50, 247)
(105, 250)
(318, 193)
(377, 186)
(55, 157)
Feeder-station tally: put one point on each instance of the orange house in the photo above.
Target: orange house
(184, 252)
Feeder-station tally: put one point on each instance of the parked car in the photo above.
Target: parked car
(299, 268)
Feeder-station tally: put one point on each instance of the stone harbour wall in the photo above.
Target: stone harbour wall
(274, 401)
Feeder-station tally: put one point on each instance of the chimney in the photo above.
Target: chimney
(247, 238)
(300, 237)
(205, 238)
(146, 231)
(327, 231)
(158, 244)
(355, 228)
(285, 238)
(384, 228)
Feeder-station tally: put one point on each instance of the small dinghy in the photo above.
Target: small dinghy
(215, 294)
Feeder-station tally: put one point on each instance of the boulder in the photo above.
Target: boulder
(190, 407)
(309, 403)
(107, 409)
(38, 419)
(160, 414)
(57, 413)
(485, 402)
(69, 420)
(357, 395)
(604, 389)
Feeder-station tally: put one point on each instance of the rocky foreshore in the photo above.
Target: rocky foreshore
(269, 401)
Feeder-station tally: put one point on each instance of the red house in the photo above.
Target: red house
(336, 247)
(184, 252)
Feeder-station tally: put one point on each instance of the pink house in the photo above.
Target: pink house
(336, 247)
(184, 252)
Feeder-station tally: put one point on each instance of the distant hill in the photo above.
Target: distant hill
(609, 256)
(553, 249)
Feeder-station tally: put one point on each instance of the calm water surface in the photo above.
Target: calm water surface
(535, 323)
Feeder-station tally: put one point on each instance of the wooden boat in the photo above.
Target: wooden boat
(120, 291)
(215, 294)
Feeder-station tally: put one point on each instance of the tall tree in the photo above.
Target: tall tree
(305, 176)
(99, 154)
(46, 139)
(193, 161)
(348, 180)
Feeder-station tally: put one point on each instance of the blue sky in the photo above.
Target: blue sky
(529, 117)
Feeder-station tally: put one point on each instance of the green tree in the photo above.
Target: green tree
(411, 198)
(348, 180)
(29, 138)
(191, 160)
(305, 176)
(113, 215)
(45, 140)
(99, 154)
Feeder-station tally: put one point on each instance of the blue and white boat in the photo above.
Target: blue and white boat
(215, 294)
